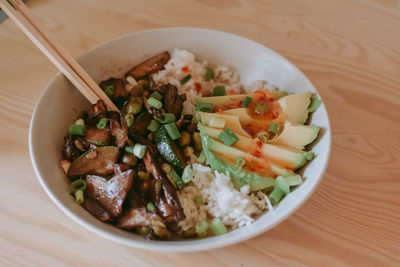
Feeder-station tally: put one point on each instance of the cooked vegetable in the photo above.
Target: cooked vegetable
(102, 123)
(228, 137)
(144, 83)
(209, 75)
(149, 66)
(98, 161)
(143, 175)
(168, 117)
(156, 95)
(201, 228)
(129, 159)
(185, 139)
(150, 136)
(153, 126)
(217, 227)
(315, 103)
(294, 180)
(79, 196)
(281, 188)
(129, 149)
(80, 122)
(187, 175)
(142, 121)
(205, 107)
(76, 185)
(185, 79)
(197, 141)
(139, 150)
(97, 136)
(188, 151)
(174, 178)
(172, 131)
(219, 90)
(134, 105)
(246, 102)
(110, 91)
(154, 103)
(96, 209)
(150, 206)
(261, 108)
(77, 129)
(273, 128)
(276, 196)
(130, 119)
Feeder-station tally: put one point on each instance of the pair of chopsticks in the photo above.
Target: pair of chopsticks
(18, 12)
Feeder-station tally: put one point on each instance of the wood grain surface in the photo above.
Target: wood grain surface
(349, 49)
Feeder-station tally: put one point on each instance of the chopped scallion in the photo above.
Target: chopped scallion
(168, 117)
(240, 162)
(219, 90)
(102, 123)
(76, 185)
(139, 150)
(77, 129)
(157, 95)
(294, 180)
(228, 137)
(109, 90)
(155, 103)
(79, 196)
(187, 175)
(261, 108)
(186, 78)
(201, 228)
(153, 126)
(209, 75)
(80, 122)
(130, 119)
(282, 184)
(150, 206)
(172, 131)
(205, 107)
(273, 128)
(129, 149)
(144, 83)
(217, 227)
(276, 196)
(246, 101)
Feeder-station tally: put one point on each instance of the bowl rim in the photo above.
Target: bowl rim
(172, 246)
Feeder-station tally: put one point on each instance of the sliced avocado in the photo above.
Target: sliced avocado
(98, 161)
(231, 122)
(295, 107)
(315, 103)
(245, 118)
(239, 176)
(295, 135)
(219, 101)
(168, 150)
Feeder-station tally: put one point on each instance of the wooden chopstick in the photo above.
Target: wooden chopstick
(55, 52)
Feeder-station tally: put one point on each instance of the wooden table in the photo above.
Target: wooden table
(350, 50)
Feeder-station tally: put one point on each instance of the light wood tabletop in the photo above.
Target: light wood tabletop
(349, 49)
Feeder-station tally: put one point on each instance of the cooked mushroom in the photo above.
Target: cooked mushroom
(96, 210)
(173, 103)
(69, 151)
(119, 132)
(111, 194)
(98, 108)
(149, 66)
(120, 168)
(120, 94)
(97, 136)
(99, 161)
(142, 122)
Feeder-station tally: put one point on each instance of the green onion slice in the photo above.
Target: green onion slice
(76, 185)
(188, 174)
(168, 117)
(110, 91)
(276, 196)
(217, 227)
(150, 206)
(79, 196)
(228, 137)
(201, 228)
(157, 95)
(186, 78)
(209, 75)
(139, 150)
(246, 102)
(102, 123)
(77, 129)
(172, 131)
(153, 126)
(261, 108)
(219, 90)
(205, 107)
(129, 149)
(155, 103)
(273, 127)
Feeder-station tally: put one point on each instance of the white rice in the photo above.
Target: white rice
(234, 208)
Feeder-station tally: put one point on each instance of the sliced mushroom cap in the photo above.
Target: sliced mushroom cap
(98, 108)
(111, 194)
(96, 210)
(142, 122)
(99, 137)
(149, 66)
(119, 132)
(98, 161)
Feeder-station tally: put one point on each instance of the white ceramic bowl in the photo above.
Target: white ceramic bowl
(60, 103)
